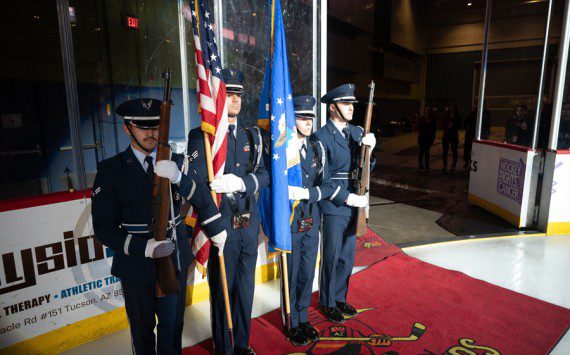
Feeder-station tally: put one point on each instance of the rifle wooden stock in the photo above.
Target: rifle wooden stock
(166, 274)
(363, 169)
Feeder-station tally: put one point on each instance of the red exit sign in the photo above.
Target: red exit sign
(132, 22)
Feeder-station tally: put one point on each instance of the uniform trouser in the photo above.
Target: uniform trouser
(240, 254)
(447, 140)
(423, 154)
(301, 264)
(142, 305)
(339, 245)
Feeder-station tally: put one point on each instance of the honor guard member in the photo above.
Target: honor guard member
(302, 260)
(122, 197)
(244, 175)
(341, 141)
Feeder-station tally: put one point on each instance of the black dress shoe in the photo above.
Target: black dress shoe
(347, 309)
(333, 314)
(244, 351)
(309, 331)
(297, 337)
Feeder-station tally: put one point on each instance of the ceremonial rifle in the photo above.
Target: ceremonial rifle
(166, 274)
(363, 169)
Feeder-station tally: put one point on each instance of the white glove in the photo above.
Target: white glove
(219, 240)
(168, 169)
(227, 184)
(369, 140)
(158, 249)
(298, 193)
(357, 200)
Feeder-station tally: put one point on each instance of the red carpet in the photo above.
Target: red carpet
(411, 307)
(371, 248)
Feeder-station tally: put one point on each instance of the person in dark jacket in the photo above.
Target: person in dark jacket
(121, 211)
(544, 125)
(341, 141)
(469, 125)
(524, 126)
(564, 129)
(451, 124)
(426, 137)
(244, 175)
(511, 128)
(305, 221)
(485, 123)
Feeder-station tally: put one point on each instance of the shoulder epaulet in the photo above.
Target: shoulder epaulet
(323, 156)
(259, 148)
(109, 162)
(185, 164)
(319, 151)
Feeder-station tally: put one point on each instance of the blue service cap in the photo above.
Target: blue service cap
(233, 78)
(304, 106)
(142, 113)
(343, 93)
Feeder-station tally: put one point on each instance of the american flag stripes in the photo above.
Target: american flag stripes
(212, 106)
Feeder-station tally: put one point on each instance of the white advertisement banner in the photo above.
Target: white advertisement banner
(500, 180)
(560, 195)
(53, 272)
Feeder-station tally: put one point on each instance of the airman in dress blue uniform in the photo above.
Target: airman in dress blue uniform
(341, 141)
(122, 195)
(301, 262)
(244, 175)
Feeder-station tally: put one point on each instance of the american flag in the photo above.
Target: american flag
(212, 105)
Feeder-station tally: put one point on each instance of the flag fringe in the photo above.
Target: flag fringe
(263, 123)
(293, 212)
(208, 128)
(190, 221)
(202, 269)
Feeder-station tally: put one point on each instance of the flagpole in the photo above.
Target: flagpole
(285, 276)
(284, 268)
(221, 258)
(222, 261)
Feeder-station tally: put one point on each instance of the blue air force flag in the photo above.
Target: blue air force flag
(276, 111)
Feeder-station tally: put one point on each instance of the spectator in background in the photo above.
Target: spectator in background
(451, 124)
(564, 131)
(426, 137)
(511, 128)
(524, 126)
(486, 122)
(469, 125)
(544, 127)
